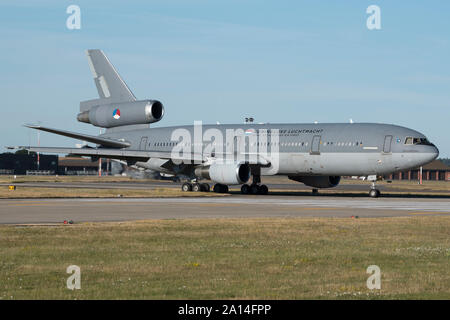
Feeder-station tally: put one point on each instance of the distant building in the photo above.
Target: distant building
(435, 170)
(80, 166)
(27, 164)
(23, 163)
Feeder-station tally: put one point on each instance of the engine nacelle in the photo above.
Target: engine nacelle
(318, 181)
(123, 114)
(225, 173)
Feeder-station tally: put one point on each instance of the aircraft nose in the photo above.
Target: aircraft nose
(431, 154)
(435, 152)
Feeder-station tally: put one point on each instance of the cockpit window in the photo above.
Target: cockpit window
(417, 141)
(425, 141)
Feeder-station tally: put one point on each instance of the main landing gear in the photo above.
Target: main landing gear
(203, 187)
(255, 187)
(220, 188)
(196, 187)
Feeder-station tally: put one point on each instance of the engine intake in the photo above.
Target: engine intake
(123, 114)
(318, 181)
(225, 173)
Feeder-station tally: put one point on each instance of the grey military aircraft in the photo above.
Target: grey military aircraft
(314, 154)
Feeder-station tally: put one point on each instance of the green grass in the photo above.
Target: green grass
(229, 259)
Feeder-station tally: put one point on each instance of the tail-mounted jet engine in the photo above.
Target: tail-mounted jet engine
(123, 114)
(318, 181)
(225, 173)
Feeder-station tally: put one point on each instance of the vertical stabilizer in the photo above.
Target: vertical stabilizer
(110, 85)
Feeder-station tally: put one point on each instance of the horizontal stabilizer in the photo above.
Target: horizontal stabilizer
(106, 142)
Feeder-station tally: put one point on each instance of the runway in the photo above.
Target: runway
(147, 185)
(44, 211)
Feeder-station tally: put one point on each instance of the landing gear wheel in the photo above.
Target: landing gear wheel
(263, 189)
(220, 188)
(374, 193)
(254, 189)
(196, 187)
(186, 187)
(245, 189)
(204, 187)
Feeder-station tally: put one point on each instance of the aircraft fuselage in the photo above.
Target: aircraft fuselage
(340, 149)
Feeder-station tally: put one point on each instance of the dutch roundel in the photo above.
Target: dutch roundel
(116, 114)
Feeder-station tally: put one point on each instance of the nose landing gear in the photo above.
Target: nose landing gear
(374, 192)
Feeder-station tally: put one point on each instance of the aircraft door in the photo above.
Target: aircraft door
(387, 144)
(143, 144)
(315, 145)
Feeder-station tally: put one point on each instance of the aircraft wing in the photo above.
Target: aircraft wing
(134, 155)
(106, 142)
(138, 155)
(114, 149)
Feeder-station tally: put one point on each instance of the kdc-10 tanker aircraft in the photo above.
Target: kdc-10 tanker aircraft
(314, 154)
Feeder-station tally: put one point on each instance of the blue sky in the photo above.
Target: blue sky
(278, 61)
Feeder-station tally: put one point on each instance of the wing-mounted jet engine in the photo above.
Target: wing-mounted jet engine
(225, 173)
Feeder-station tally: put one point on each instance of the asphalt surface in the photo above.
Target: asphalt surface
(298, 202)
(138, 185)
(48, 211)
